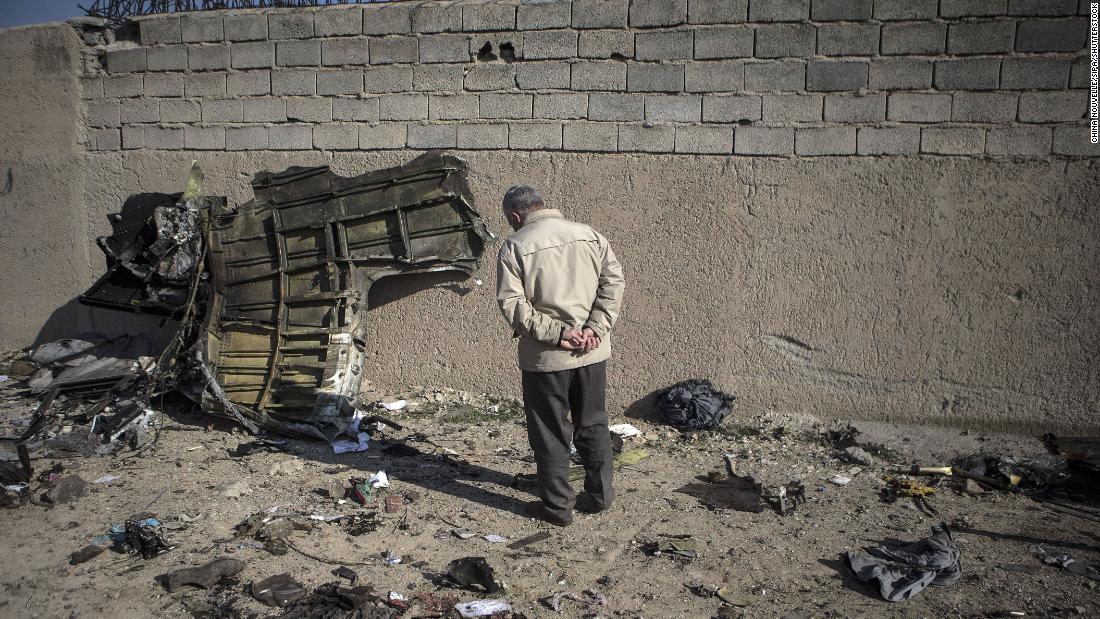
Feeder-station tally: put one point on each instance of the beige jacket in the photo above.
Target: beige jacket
(554, 274)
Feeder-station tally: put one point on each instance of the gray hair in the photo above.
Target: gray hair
(522, 198)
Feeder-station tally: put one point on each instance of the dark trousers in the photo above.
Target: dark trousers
(562, 407)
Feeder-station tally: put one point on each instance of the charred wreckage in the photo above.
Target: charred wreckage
(270, 297)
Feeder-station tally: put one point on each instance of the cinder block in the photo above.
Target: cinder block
(246, 138)
(349, 82)
(264, 110)
(298, 53)
(535, 136)
(432, 136)
(899, 74)
(973, 8)
(126, 85)
(205, 85)
(445, 48)
(1035, 72)
(290, 25)
(107, 139)
(396, 78)
(257, 55)
(430, 18)
(855, 109)
(1052, 35)
(133, 137)
(561, 106)
(716, 12)
(791, 108)
(505, 105)
(1018, 141)
(644, 13)
(606, 44)
(704, 140)
(600, 13)
(163, 138)
(817, 141)
(452, 107)
(172, 58)
(775, 76)
(673, 108)
(714, 77)
(779, 10)
(888, 140)
(160, 30)
(1039, 107)
(983, 107)
(387, 18)
(361, 110)
(1046, 8)
(952, 140)
(125, 60)
(918, 107)
(785, 40)
(731, 109)
(1074, 141)
(390, 50)
(382, 136)
(248, 83)
(491, 77)
(180, 112)
(831, 76)
(993, 37)
(543, 44)
(616, 107)
(483, 136)
(91, 88)
(596, 137)
(543, 16)
(488, 16)
(598, 75)
(204, 138)
(654, 78)
(104, 114)
(336, 137)
(246, 27)
(293, 82)
(403, 107)
(647, 138)
(887, 10)
(290, 137)
(914, 38)
(163, 85)
(338, 22)
(438, 77)
(1079, 74)
(841, 10)
(208, 57)
(848, 39)
(221, 111)
(723, 42)
(340, 52)
(543, 75)
(967, 74)
(140, 111)
(763, 141)
(200, 27)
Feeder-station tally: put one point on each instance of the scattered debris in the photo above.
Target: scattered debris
(66, 490)
(857, 455)
(1080, 567)
(89, 552)
(742, 493)
(483, 608)
(204, 576)
(591, 599)
(624, 430)
(106, 479)
(840, 480)
(335, 601)
(494, 538)
(394, 503)
(471, 572)
(278, 590)
(906, 571)
(694, 405)
(346, 572)
(142, 535)
(258, 446)
(394, 406)
(530, 539)
(683, 546)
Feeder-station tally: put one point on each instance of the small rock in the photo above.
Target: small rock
(856, 455)
(68, 489)
(236, 489)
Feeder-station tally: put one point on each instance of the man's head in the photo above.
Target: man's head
(519, 202)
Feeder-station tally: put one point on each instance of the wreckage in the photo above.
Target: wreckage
(271, 296)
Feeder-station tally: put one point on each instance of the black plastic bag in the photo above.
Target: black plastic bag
(694, 405)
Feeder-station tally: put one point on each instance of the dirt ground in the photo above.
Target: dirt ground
(770, 565)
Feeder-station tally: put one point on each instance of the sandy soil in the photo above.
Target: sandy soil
(771, 565)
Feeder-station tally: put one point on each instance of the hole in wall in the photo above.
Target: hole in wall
(507, 51)
(485, 54)
(617, 56)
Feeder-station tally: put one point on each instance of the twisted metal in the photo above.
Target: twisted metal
(117, 10)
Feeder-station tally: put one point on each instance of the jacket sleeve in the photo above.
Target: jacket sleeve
(609, 293)
(517, 309)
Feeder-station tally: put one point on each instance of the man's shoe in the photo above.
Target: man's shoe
(538, 511)
(588, 505)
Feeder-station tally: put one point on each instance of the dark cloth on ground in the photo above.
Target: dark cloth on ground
(693, 405)
(904, 572)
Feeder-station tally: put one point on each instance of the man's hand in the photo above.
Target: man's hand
(591, 340)
(572, 339)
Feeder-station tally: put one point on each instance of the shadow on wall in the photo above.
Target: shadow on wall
(645, 408)
(74, 318)
(393, 288)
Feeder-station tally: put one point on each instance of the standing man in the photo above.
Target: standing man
(559, 286)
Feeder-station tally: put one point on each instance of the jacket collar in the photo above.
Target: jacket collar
(541, 214)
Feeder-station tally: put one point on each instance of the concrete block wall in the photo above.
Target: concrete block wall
(714, 77)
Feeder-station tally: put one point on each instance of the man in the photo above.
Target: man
(559, 286)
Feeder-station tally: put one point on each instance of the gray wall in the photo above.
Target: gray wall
(877, 210)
